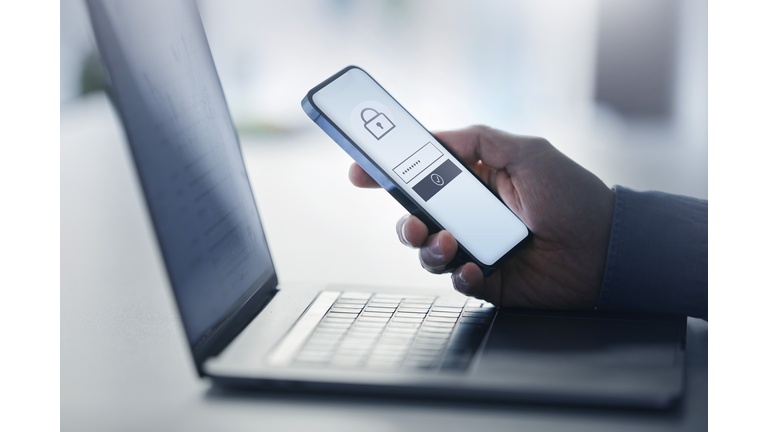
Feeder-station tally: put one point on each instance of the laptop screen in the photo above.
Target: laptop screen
(186, 151)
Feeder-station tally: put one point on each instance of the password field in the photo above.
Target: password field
(424, 157)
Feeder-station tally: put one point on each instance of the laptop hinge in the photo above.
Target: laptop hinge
(213, 344)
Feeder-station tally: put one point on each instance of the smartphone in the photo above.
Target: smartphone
(415, 167)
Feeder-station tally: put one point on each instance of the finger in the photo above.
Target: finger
(360, 178)
(411, 231)
(468, 280)
(438, 252)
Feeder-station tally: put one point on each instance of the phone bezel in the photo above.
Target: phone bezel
(523, 243)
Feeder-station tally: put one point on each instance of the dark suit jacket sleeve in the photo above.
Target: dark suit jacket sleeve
(657, 256)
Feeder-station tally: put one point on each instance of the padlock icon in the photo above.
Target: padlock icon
(378, 124)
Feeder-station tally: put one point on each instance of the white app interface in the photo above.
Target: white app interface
(420, 165)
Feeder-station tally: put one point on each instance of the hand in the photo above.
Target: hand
(568, 209)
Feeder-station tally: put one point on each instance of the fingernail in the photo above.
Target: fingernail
(459, 283)
(401, 231)
(433, 248)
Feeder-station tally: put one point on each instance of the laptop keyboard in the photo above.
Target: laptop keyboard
(393, 332)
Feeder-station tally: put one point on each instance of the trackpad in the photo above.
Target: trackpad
(585, 338)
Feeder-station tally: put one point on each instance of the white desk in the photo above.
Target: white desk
(125, 364)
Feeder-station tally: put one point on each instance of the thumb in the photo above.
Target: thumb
(494, 148)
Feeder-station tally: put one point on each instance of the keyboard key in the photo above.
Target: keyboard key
(329, 332)
(350, 303)
(396, 339)
(404, 331)
(446, 309)
(437, 328)
(345, 306)
(388, 310)
(356, 346)
(384, 303)
(414, 310)
(434, 319)
(369, 327)
(432, 340)
(361, 336)
(427, 349)
(387, 306)
(402, 319)
(337, 319)
(415, 305)
(341, 314)
(369, 313)
(445, 314)
(390, 350)
(344, 299)
(419, 345)
(400, 324)
(402, 313)
(389, 335)
(344, 312)
(358, 343)
(477, 315)
(423, 339)
(394, 343)
(373, 319)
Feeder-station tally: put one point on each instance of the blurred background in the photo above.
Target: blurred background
(620, 86)
(592, 76)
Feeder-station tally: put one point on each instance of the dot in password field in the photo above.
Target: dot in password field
(422, 159)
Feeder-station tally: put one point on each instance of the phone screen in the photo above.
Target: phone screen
(411, 157)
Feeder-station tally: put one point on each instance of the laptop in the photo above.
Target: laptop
(246, 330)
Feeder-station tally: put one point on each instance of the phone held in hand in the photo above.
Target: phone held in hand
(415, 167)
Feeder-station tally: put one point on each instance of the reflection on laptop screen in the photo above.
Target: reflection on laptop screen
(187, 155)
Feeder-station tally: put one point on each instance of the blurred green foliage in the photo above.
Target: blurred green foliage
(92, 77)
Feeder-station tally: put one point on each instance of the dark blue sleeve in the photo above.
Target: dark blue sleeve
(657, 255)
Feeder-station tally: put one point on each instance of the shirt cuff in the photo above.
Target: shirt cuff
(657, 255)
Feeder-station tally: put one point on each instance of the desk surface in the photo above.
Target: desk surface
(124, 360)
